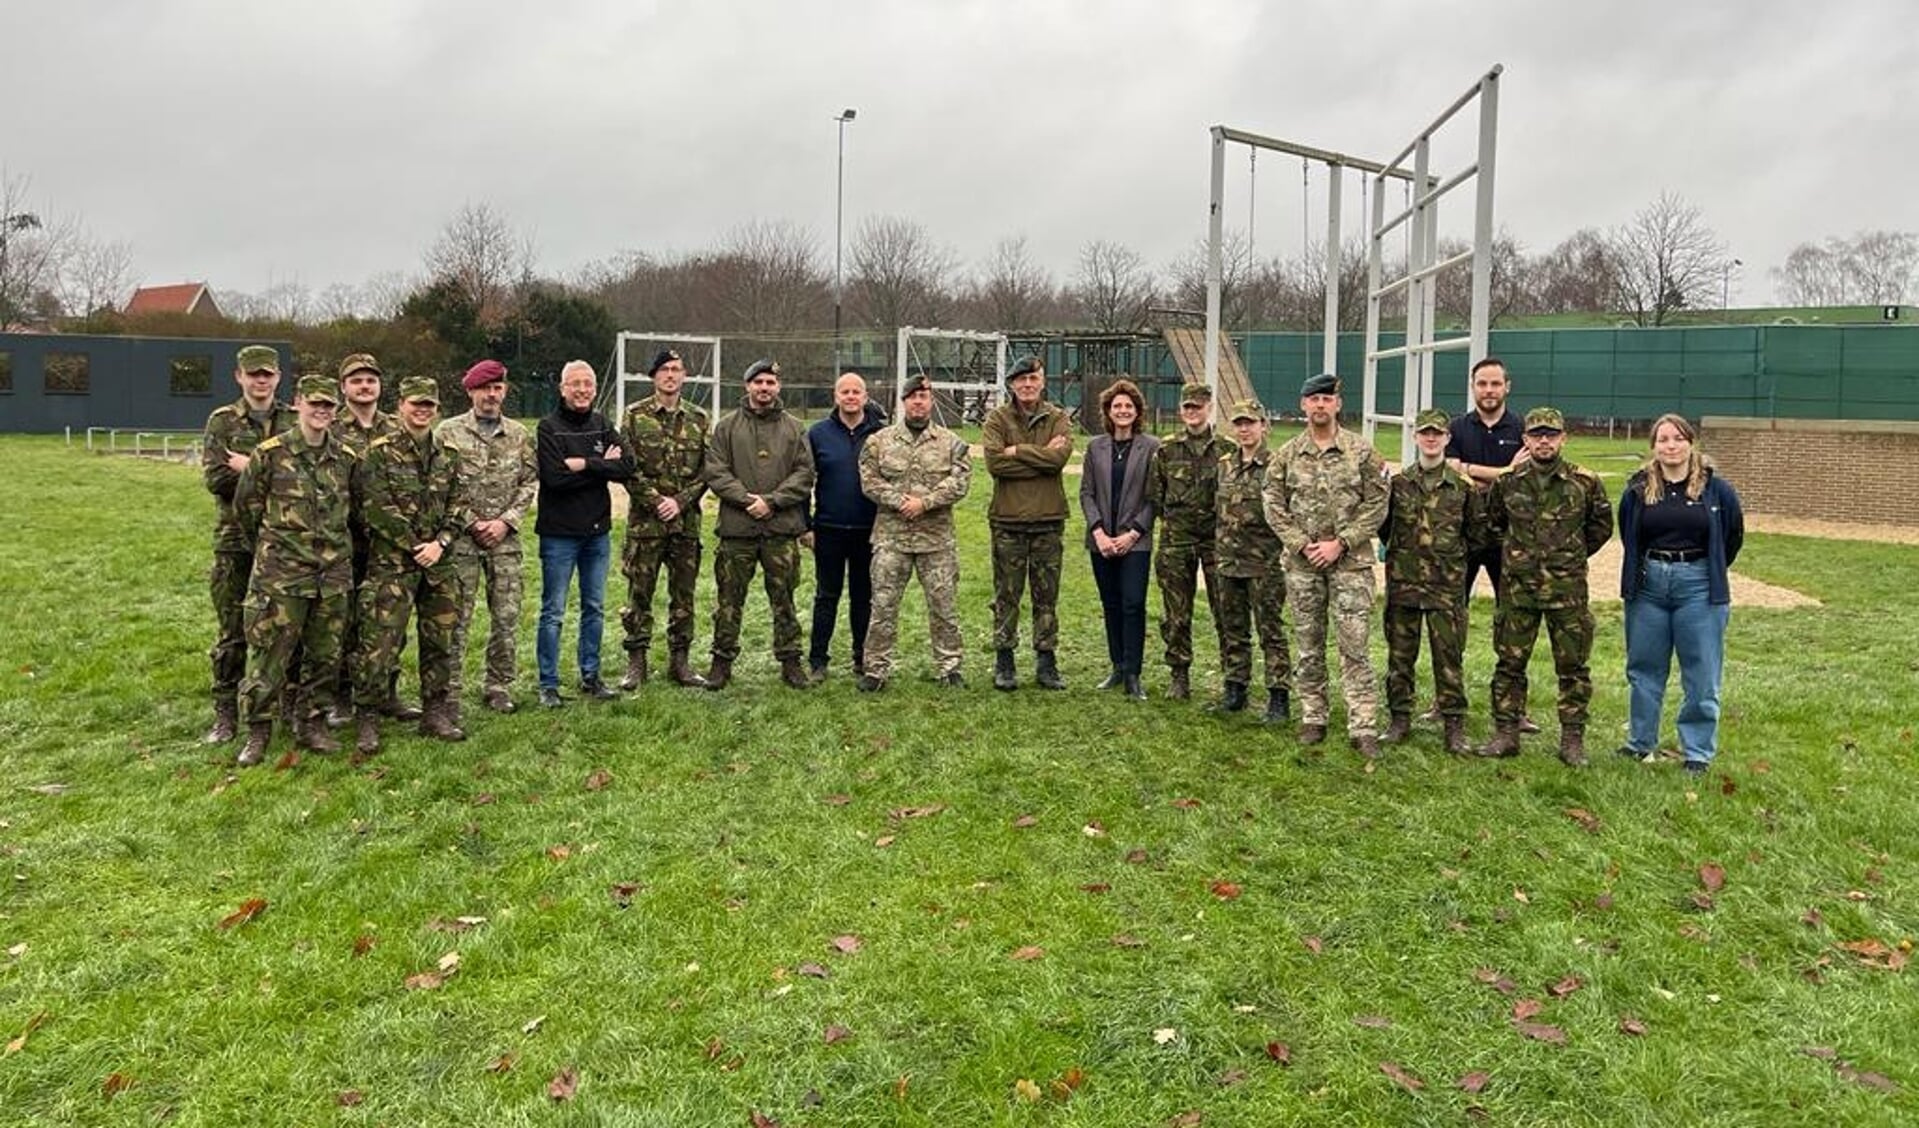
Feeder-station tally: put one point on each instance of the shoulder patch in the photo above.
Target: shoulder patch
(383, 440)
(265, 445)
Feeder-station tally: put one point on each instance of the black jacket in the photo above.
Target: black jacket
(575, 503)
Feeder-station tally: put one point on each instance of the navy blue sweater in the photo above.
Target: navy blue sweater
(837, 500)
(1722, 547)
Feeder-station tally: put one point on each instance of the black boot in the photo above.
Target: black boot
(1278, 707)
(1179, 687)
(1234, 699)
(1113, 680)
(1046, 671)
(1134, 689)
(1004, 676)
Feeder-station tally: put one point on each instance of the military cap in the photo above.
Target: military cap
(1431, 419)
(359, 362)
(660, 360)
(1545, 419)
(759, 366)
(420, 388)
(483, 373)
(1324, 384)
(1248, 409)
(259, 358)
(1195, 392)
(919, 381)
(315, 388)
(1023, 365)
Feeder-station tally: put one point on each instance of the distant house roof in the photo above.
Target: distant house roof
(184, 297)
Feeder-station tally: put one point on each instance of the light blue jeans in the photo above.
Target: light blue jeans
(559, 557)
(1670, 615)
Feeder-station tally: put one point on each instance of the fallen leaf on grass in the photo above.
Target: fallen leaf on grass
(757, 1119)
(1874, 952)
(20, 1043)
(1313, 944)
(1727, 786)
(1164, 1035)
(362, 944)
(1540, 1032)
(1520, 896)
(898, 813)
(1024, 822)
(17, 950)
(835, 1034)
(115, 1083)
(883, 841)
(1866, 1078)
(839, 800)
(564, 1084)
(1526, 1008)
(598, 780)
(1712, 876)
(1633, 1026)
(424, 981)
(622, 892)
(1280, 1052)
(1186, 804)
(1191, 1118)
(247, 911)
(1135, 857)
(813, 971)
(345, 1098)
(1128, 940)
(1565, 987)
(1029, 952)
(847, 944)
(1400, 1077)
(1225, 890)
(1474, 1082)
(899, 1087)
(485, 799)
(1230, 1078)
(1372, 1021)
(1096, 887)
(1025, 1090)
(1094, 829)
(449, 963)
(503, 1063)
(1068, 1083)
(532, 1024)
(456, 925)
(1603, 902)
(1587, 821)
(288, 760)
(559, 853)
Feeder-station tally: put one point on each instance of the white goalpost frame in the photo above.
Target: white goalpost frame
(622, 374)
(960, 388)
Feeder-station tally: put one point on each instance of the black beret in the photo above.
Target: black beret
(759, 366)
(1024, 365)
(1324, 384)
(660, 360)
(917, 382)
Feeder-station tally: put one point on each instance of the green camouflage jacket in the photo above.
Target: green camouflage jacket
(1182, 487)
(669, 457)
(1314, 495)
(1434, 518)
(1246, 545)
(933, 465)
(1550, 518)
(231, 430)
(405, 491)
(498, 475)
(348, 430)
(294, 503)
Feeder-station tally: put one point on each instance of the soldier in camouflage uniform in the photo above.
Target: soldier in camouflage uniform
(1326, 497)
(1434, 519)
(1251, 584)
(294, 503)
(496, 485)
(668, 438)
(1550, 516)
(1184, 480)
(915, 471)
(1027, 443)
(359, 422)
(759, 466)
(405, 497)
(231, 434)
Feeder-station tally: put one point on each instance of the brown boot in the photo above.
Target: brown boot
(1572, 745)
(399, 710)
(1310, 734)
(1399, 728)
(1367, 745)
(500, 701)
(366, 740)
(441, 721)
(314, 735)
(259, 733)
(635, 670)
(719, 673)
(794, 674)
(682, 672)
(1504, 744)
(1456, 742)
(1179, 687)
(226, 723)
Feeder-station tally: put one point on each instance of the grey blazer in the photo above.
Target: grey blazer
(1132, 509)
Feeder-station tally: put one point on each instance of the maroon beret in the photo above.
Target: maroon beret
(484, 373)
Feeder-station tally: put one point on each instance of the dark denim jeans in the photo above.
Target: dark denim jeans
(1122, 597)
(840, 556)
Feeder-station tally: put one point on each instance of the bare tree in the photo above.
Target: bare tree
(767, 275)
(900, 276)
(1237, 292)
(1013, 292)
(1112, 287)
(338, 302)
(1813, 275)
(480, 251)
(98, 276)
(1577, 276)
(1666, 259)
(1882, 265)
(384, 293)
(1454, 296)
(34, 250)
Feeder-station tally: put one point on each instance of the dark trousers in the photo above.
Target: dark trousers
(1122, 598)
(1475, 563)
(841, 558)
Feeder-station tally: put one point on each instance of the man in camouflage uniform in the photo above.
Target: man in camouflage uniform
(1550, 517)
(1326, 497)
(495, 487)
(1434, 520)
(759, 466)
(231, 434)
(359, 422)
(294, 503)
(1027, 443)
(1251, 584)
(1185, 476)
(668, 439)
(405, 495)
(915, 471)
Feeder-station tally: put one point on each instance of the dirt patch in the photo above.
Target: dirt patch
(1602, 580)
(1832, 530)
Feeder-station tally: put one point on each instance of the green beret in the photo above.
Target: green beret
(1545, 419)
(1431, 419)
(1195, 393)
(1024, 365)
(1324, 384)
(420, 388)
(259, 358)
(918, 382)
(1248, 409)
(315, 388)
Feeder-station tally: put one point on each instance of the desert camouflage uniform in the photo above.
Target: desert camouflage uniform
(1551, 517)
(231, 429)
(764, 453)
(1314, 495)
(1434, 519)
(934, 465)
(498, 479)
(1252, 585)
(405, 494)
(1182, 488)
(357, 437)
(669, 452)
(295, 501)
(1027, 515)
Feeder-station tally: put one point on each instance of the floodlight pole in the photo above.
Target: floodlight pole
(1725, 283)
(839, 216)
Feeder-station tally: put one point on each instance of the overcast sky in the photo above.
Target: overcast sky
(245, 144)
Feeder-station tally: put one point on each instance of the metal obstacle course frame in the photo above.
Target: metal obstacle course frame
(968, 394)
(698, 376)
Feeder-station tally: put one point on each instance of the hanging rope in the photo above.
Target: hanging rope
(1305, 206)
(1252, 196)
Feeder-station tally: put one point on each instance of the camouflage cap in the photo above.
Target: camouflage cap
(1248, 409)
(918, 382)
(360, 362)
(759, 366)
(259, 358)
(420, 388)
(1024, 365)
(1432, 419)
(1324, 384)
(315, 388)
(1195, 393)
(1545, 419)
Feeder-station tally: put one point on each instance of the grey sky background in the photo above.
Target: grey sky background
(247, 144)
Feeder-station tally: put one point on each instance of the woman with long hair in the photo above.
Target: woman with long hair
(1119, 528)
(1681, 527)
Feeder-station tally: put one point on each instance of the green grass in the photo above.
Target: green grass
(688, 1007)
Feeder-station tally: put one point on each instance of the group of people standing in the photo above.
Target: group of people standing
(340, 523)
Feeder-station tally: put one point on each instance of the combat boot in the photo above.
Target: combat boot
(1311, 734)
(1004, 676)
(1277, 707)
(395, 709)
(441, 720)
(500, 701)
(636, 671)
(366, 741)
(1233, 699)
(1572, 745)
(1367, 745)
(719, 673)
(1179, 687)
(226, 723)
(1046, 671)
(1456, 742)
(1505, 742)
(338, 715)
(681, 671)
(1399, 728)
(259, 733)
(794, 674)
(314, 735)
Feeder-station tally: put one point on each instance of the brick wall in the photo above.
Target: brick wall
(1828, 469)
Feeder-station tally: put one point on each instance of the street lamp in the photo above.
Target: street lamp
(1725, 283)
(839, 216)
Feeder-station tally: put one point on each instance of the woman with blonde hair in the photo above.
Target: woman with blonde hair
(1119, 528)
(1681, 527)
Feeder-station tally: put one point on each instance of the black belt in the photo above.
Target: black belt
(1676, 555)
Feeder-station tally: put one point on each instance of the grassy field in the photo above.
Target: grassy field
(930, 907)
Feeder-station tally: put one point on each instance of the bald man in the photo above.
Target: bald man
(842, 526)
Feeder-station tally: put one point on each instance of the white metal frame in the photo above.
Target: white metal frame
(904, 351)
(655, 341)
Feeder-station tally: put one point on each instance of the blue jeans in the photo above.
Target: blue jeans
(1670, 615)
(559, 557)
